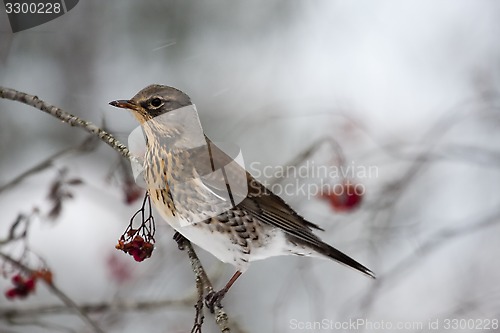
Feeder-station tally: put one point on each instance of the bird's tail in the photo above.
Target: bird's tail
(336, 255)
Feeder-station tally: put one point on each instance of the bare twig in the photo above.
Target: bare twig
(18, 230)
(220, 315)
(433, 243)
(68, 118)
(59, 293)
(50, 327)
(88, 308)
(315, 146)
(199, 316)
(87, 145)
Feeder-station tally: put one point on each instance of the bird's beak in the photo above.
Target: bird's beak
(125, 104)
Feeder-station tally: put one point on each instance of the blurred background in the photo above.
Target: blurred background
(409, 89)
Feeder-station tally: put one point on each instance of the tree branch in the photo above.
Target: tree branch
(87, 145)
(220, 315)
(68, 118)
(88, 308)
(59, 293)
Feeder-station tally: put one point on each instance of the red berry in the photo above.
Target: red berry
(344, 197)
(11, 293)
(17, 279)
(136, 253)
(30, 284)
(22, 291)
(132, 192)
(138, 241)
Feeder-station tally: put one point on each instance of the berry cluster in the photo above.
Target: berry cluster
(139, 243)
(22, 287)
(25, 286)
(138, 248)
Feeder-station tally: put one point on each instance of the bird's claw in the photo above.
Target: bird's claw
(213, 299)
(181, 240)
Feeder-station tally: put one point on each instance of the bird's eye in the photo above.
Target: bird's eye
(156, 102)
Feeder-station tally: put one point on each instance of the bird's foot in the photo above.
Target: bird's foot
(214, 298)
(181, 240)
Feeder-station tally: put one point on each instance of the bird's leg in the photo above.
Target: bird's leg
(215, 297)
(181, 240)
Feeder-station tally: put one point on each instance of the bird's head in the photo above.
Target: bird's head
(153, 101)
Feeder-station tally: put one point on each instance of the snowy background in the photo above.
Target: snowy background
(410, 87)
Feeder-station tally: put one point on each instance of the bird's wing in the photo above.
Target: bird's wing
(271, 209)
(259, 201)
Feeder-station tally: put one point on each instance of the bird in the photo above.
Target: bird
(259, 225)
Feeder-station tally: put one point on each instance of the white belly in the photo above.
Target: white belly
(219, 244)
(214, 242)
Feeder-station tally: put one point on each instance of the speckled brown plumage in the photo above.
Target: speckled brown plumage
(260, 226)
